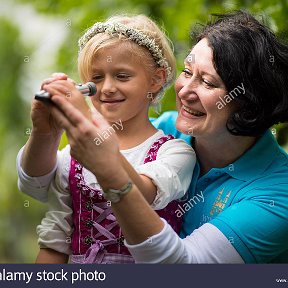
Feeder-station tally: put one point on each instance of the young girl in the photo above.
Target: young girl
(130, 61)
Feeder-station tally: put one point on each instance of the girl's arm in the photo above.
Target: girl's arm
(55, 230)
(168, 177)
(144, 183)
(40, 152)
(49, 256)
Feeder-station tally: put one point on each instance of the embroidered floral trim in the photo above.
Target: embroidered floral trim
(133, 34)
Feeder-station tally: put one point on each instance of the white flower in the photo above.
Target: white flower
(134, 35)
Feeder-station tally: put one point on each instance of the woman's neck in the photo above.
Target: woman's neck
(221, 151)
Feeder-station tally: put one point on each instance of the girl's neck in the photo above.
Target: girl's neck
(220, 152)
(134, 133)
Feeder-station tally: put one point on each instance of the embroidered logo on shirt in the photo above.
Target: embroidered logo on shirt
(220, 202)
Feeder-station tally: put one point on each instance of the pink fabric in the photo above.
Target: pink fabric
(96, 233)
(169, 212)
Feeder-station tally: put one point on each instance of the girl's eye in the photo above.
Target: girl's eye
(97, 77)
(123, 77)
(187, 73)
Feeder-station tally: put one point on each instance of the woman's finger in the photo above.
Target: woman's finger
(71, 81)
(60, 118)
(98, 119)
(73, 114)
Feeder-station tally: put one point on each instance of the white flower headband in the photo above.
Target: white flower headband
(133, 34)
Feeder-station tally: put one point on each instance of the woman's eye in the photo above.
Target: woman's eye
(209, 84)
(187, 73)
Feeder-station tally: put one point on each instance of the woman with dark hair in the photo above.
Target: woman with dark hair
(232, 90)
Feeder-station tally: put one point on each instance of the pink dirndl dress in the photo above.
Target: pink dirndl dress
(97, 238)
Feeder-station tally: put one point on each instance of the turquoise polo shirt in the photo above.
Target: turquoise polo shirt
(247, 200)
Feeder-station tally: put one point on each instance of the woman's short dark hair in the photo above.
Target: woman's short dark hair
(245, 51)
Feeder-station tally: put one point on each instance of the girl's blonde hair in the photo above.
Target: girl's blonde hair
(140, 35)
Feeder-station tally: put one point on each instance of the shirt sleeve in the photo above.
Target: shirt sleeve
(56, 227)
(205, 245)
(257, 226)
(171, 172)
(36, 187)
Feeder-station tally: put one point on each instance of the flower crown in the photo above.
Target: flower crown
(133, 34)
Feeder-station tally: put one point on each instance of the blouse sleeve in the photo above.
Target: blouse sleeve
(36, 187)
(171, 172)
(56, 227)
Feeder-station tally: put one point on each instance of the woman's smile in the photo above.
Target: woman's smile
(191, 112)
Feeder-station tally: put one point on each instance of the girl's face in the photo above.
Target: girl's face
(123, 85)
(198, 89)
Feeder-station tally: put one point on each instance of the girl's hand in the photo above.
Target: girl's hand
(42, 120)
(67, 90)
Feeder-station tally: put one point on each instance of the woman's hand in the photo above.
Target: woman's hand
(83, 131)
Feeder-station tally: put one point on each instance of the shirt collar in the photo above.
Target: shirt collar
(256, 159)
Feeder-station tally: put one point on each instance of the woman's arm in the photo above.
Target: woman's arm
(139, 222)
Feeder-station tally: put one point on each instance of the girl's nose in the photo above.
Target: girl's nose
(108, 86)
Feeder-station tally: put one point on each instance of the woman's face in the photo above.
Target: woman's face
(198, 89)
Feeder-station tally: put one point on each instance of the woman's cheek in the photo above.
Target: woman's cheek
(178, 85)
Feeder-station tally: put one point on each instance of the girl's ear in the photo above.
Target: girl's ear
(158, 80)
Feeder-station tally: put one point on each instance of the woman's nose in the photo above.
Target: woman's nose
(187, 89)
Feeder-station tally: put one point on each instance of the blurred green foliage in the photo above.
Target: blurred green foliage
(19, 213)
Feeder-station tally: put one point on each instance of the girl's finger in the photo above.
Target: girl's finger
(60, 87)
(60, 75)
(54, 77)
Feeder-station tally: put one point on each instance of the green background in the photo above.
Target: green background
(20, 214)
